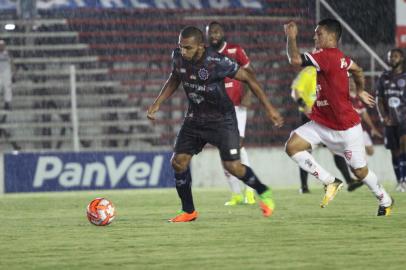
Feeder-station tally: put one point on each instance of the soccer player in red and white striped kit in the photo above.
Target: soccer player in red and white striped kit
(241, 99)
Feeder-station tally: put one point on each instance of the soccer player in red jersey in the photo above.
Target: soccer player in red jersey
(241, 100)
(334, 122)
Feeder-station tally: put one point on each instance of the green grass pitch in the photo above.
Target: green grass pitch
(51, 231)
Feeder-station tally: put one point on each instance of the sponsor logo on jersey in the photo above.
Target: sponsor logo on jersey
(231, 51)
(215, 59)
(192, 77)
(394, 92)
(196, 98)
(233, 151)
(194, 86)
(322, 103)
(183, 70)
(394, 102)
(203, 74)
(343, 63)
(229, 84)
(228, 61)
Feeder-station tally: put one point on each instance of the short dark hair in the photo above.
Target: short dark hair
(213, 23)
(332, 26)
(192, 31)
(398, 50)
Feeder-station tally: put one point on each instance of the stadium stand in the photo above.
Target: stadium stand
(122, 58)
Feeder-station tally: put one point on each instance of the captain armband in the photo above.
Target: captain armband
(306, 60)
(301, 102)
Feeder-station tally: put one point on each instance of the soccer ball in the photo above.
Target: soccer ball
(101, 212)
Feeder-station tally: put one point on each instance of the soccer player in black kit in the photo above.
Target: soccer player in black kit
(210, 117)
(391, 104)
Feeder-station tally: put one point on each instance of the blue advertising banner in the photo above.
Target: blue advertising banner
(141, 4)
(29, 172)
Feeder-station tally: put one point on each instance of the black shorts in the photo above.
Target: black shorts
(193, 136)
(393, 135)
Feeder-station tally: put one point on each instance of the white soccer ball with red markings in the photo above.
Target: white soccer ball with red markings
(101, 212)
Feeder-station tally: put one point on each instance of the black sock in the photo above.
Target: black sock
(342, 166)
(184, 188)
(396, 167)
(303, 178)
(251, 180)
(402, 167)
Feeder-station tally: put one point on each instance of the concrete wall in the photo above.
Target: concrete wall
(275, 168)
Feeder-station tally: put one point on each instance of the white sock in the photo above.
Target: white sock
(371, 180)
(244, 157)
(233, 182)
(307, 162)
(245, 161)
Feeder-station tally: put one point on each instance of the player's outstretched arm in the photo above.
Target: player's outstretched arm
(170, 86)
(250, 79)
(246, 100)
(292, 50)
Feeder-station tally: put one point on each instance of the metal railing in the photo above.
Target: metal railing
(374, 58)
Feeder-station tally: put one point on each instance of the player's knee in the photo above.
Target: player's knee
(296, 144)
(361, 173)
(178, 164)
(369, 150)
(290, 148)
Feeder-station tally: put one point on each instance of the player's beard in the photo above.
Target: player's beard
(396, 65)
(217, 46)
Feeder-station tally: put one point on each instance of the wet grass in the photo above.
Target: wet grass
(50, 231)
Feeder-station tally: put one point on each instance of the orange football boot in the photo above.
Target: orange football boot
(185, 217)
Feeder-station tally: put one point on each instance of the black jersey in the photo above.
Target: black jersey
(203, 82)
(391, 88)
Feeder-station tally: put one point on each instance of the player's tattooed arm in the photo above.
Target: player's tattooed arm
(170, 86)
(359, 80)
(292, 50)
(358, 76)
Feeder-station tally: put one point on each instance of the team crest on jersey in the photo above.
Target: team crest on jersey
(401, 83)
(348, 154)
(203, 74)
